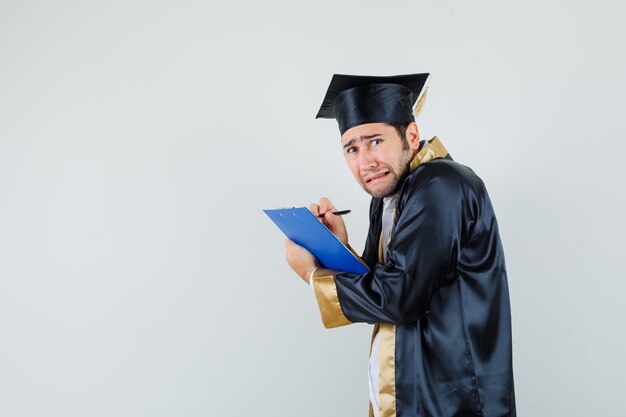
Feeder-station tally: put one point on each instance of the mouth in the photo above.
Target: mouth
(376, 177)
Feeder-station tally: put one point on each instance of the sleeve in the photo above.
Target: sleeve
(326, 294)
(422, 256)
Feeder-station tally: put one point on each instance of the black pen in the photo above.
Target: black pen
(336, 213)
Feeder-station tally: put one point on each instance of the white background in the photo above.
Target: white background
(139, 141)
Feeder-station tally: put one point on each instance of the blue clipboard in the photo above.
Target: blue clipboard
(302, 227)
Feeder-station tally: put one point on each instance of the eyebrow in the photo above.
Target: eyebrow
(361, 139)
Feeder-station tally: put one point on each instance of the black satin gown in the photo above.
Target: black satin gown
(445, 288)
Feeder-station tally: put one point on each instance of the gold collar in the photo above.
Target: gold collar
(432, 149)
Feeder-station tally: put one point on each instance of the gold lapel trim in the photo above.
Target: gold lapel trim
(387, 332)
(386, 360)
(387, 370)
(432, 149)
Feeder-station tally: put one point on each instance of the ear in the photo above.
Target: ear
(413, 136)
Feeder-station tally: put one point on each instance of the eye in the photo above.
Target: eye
(351, 149)
(375, 142)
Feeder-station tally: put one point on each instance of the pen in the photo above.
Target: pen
(336, 213)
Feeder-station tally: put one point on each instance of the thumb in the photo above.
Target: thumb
(330, 218)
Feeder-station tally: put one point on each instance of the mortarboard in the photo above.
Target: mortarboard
(357, 99)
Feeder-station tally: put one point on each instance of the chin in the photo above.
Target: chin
(387, 190)
(382, 192)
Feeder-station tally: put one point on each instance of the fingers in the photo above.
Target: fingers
(326, 205)
(331, 218)
(333, 222)
(315, 209)
(287, 246)
(323, 208)
(290, 245)
(290, 249)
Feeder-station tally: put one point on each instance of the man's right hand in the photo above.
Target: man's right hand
(334, 223)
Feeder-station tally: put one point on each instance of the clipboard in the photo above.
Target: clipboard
(302, 227)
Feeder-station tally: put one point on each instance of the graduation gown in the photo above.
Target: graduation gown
(440, 304)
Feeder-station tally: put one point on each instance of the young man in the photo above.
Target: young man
(437, 288)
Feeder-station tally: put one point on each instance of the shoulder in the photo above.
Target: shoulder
(443, 178)
(445, 171)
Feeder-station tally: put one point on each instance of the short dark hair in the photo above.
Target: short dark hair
(401, 129)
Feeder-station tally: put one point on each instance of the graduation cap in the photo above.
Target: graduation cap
(358, 99)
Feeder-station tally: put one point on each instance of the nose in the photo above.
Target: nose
(367, 161)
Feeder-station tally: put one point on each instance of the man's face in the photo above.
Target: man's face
(378, 157)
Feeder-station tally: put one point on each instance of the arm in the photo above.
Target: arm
(306, 266)
(422, 256)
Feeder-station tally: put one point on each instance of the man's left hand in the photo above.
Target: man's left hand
(300, 259)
